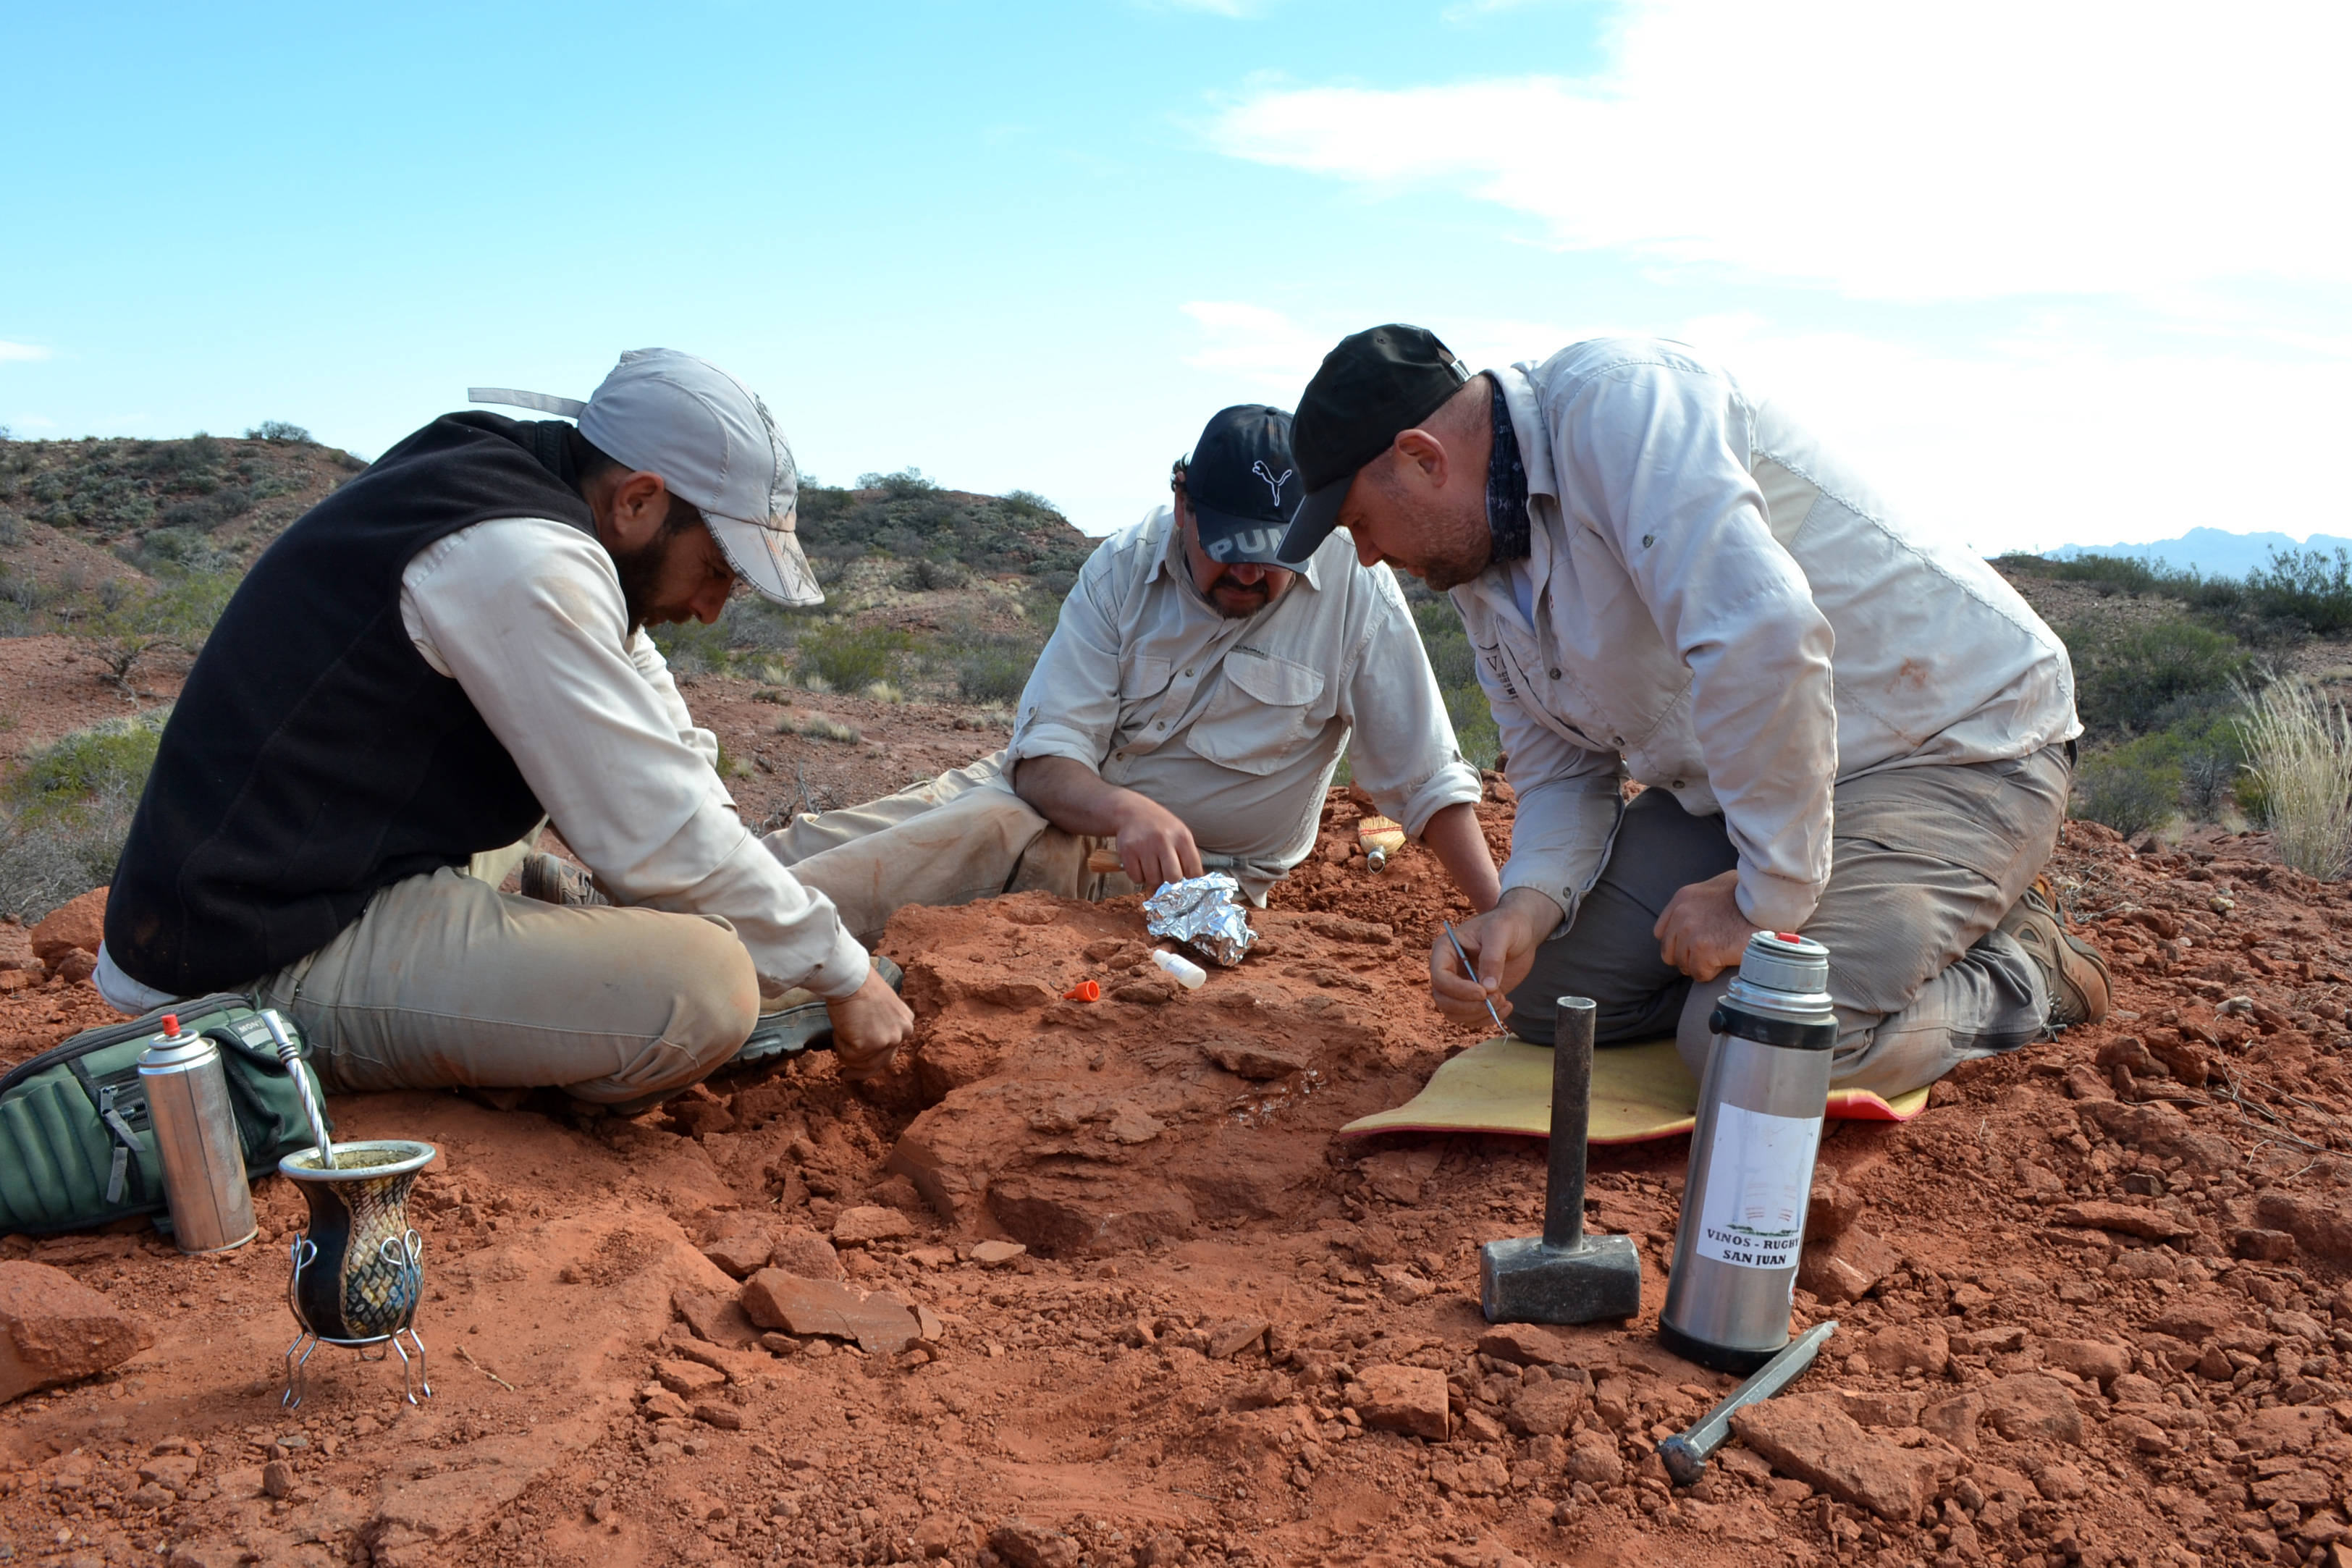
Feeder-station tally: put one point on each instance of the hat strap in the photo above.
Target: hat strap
(546, 403)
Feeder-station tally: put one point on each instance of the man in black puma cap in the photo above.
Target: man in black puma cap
(1188, 712)
(1848, 726)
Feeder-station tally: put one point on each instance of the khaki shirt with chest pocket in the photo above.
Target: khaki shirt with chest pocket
(1237, 725)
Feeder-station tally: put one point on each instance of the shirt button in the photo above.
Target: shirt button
(1676, 784)
(1188, 672)
(1616, 740)
(1161, 725)
(1555, 675)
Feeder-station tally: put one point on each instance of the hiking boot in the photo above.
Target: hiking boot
(2072, 968)
(796, 1021)
(553, 881)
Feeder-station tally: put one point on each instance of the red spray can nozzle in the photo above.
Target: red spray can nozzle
(171, 1025)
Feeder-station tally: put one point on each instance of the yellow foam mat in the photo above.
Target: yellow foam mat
(1638, 1092)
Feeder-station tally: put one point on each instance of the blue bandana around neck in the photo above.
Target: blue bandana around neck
(1506, 488)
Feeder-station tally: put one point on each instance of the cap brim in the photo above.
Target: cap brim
(770, 559)
(1254, 539)
(1318, 514)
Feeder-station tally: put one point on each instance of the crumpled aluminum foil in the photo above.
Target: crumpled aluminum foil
(1207, 911)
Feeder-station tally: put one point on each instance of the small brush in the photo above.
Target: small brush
(1471, 970)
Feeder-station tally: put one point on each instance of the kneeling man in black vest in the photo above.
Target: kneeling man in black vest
(428, 664)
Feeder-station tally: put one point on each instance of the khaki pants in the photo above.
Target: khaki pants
(948, 840)
(1924, 862)
(445, 982)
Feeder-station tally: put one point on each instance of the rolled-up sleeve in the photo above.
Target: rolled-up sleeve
(528, 617)
(1403, 750)
(1070, 706)
(1657, 472)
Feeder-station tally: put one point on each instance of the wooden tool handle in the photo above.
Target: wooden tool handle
(1103, 860)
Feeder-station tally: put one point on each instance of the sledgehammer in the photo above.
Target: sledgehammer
(1563, 1276)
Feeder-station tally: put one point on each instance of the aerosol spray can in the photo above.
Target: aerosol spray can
(1760, 1106)
(197, 1140)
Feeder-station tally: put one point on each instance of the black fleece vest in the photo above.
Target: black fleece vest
(314, 756)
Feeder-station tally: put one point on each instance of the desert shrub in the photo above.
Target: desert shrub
(65, 808)
(130, 623)
(277, 430)
(929, 574)
(2130, 679)
(689, 647)
(2127, 790)
(12, 528)
(995, 671)
(849, 657)
(2299, 748)
(1451, 660)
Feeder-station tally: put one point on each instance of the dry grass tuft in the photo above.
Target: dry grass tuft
(2299, 751)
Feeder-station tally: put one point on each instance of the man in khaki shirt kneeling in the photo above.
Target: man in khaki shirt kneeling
(1188, 711)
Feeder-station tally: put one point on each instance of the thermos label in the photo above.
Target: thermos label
(1757, 1179)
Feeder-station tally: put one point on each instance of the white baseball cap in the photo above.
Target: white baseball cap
(713, 443)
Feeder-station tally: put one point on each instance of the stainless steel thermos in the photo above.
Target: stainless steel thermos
(197, 1140)
(1761, 1105)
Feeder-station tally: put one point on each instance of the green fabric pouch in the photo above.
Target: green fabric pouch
(76, 1150)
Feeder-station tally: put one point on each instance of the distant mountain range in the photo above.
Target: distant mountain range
(2211, 551)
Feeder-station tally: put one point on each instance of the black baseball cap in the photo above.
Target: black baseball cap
(1242, 484)
(1371, 387)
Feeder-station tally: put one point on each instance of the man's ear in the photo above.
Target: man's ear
(639, 505)
(1421, 454)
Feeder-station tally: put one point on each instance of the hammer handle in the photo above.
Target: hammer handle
(1571, 1116)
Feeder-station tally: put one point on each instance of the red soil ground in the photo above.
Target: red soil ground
(2104, 1317)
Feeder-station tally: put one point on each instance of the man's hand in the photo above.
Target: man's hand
(1154, 845)
(868, 1028)
(1702, 934)
(1501, 945)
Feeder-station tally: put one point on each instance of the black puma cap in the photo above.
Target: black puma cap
(1242, 484)
(1371, 387)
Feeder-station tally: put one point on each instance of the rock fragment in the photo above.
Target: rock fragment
(726, 1418)
(2094, 1359)
(739, 1256)
(1806, 1435)
(880, 1323)
(1230, 1339)
(2032, 1405)
(2321, 1226)
(714, 1318)
(869, 1223)
(1910, 1347)
(687, 1378)
(1027, 1545)
(1528, 1344)
(1847, 1268)
(75, 926)
(54, 1329)
(1249, 1059)
(996, 1254)
(805, 1253)
(1546, 1409)
(2126, 1219)
(1408, 1399)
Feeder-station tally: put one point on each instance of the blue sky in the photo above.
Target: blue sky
(2049, 274)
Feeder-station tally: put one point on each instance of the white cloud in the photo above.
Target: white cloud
(9, 350)
(2048, 437)
(1899, 152)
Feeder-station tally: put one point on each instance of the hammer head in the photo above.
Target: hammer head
(1522, 1280)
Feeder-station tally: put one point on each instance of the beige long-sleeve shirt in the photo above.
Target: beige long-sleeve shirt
(1721, 608)
(526, 615)
(1237, 725)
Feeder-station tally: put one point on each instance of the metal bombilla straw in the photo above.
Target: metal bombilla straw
(291, 1055)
